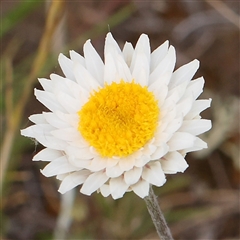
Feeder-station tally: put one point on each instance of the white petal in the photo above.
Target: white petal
(157, 81)
(199, 144)
(70, 119)
(181, 140)
(58, 166)
(36, 131)
(73, 180)
(78, 162)
(67, 66)
(37, 118)
(71, 105)
(114, 171)
(97, 164)
(140, 65)
(153, 174)
(141, 72)
(112, 162)
(80, 152)
(197, 107)
(110, 70)
(48, 99)
(110, 44)
(166, 65)
(184, 106)
(61, 176)
(168, 109)
(158, 54)
(117, 187)
(174, 125)
(54, 120)
(162, 138)
(111, 52)
(141, 161)
(66, 86)
(123, 69)
(69, 87)
(66, 134)
(76, 57)
(128, 51)
(51, 142)
(47, 154)
(59, 84)
(69, 94)
(46, 84)
(94, 182)
(116, 68)
(173, 162)
(94, 63)
(80, 143)
(127, 163)
(132, 176)
(160, 92)
(178, 92)
(160, 151)
(184, 73)
(105, 190)
(149, 148)
(195, 87)
(84, 78)
(163, 124)
(196, 127)
(141, 188)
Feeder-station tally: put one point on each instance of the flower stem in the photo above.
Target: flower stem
(157, 216)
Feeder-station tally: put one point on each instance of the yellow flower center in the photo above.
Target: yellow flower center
(119, 119)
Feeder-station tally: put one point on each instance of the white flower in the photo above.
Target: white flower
(122, 124)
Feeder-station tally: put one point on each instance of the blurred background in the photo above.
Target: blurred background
(203, 203)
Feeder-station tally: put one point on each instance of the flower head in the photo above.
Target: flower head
(122, 124)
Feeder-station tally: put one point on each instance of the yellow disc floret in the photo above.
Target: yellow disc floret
(119, 119)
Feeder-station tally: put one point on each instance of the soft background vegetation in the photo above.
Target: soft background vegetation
(202, 203)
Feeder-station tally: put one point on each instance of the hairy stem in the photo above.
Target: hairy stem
(157, 216)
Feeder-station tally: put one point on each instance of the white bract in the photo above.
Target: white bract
(122, 124)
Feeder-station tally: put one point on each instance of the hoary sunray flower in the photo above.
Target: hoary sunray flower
(122, 124)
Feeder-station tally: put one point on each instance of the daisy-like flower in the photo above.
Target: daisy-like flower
(122, 124)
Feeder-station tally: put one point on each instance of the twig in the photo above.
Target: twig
(196, 22)
(54, 15)
(157, 216)
(225, 11)
(9, 89)
(9, 136)
(64, 216)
